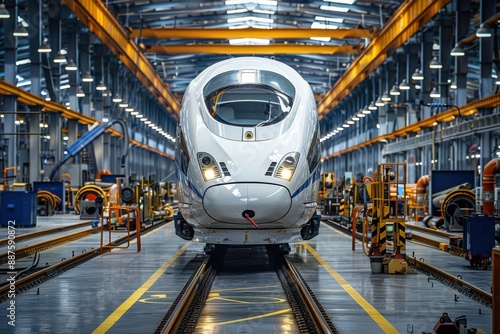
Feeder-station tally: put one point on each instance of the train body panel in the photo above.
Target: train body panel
(247, 149)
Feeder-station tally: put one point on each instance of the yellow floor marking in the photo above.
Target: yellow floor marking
(384, 324)
(253, 318)
(126, 305)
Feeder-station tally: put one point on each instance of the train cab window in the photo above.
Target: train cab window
(249, 98)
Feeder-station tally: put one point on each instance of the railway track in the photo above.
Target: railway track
(183, 315)
(45, 245)
(37, 277)
(454, 282)
(28, 236)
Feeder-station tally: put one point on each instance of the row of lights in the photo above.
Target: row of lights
(21, 31)
(367, 110)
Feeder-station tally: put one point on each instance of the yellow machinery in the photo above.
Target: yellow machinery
(330, 194)
(389, 213)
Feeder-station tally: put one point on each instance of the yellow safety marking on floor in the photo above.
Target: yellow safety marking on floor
(339, 233)
(270, 300)
(126, 305)
(384, 324)
(253, 318)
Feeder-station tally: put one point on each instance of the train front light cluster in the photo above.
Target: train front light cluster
(287, 166)
(209, 167)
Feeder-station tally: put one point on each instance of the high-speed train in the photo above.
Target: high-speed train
(247, 156)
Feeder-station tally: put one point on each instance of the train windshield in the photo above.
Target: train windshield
(249, 97)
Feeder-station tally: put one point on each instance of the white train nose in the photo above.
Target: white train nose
(227, 203)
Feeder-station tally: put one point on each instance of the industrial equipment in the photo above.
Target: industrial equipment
(389, 212)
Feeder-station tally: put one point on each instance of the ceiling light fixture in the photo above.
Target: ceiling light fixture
(59, 58)
(457, 51)
(394, 91)
(435, 64)
(117, 98)
(417, 75)
(70, 66)
(483, 31)
(20, 31)
(4, 13)
(385, 97)
(101, 86)
(87, 77)
(44, 48)
(80, 92)
(435, 94)
(404, 85)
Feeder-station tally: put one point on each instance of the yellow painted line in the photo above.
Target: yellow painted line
(384, 324)
(253, 318)
(126, 305)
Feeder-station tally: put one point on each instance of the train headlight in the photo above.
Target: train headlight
(287, 166)
(208, 166)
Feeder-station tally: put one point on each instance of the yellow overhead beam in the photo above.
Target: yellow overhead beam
(253, 49)
(443, 117)
(48, 106)
(283, 33)
(404, 23)
(99, 20)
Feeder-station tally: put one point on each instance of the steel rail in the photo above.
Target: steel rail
(27, 236)
(318, 314)
(178, 309)
(31, 280)
(44, 245)
(457, 283)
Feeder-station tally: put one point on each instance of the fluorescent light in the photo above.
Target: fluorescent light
(334, 8)
(250, 18)
(329, 19)
(262, 11)
(237, 11)
(23, 61)
(345, 2)
(319, 25)
(249, 41)
(259, 2)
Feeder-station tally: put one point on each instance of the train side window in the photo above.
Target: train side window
(314, 154)
(181, 152)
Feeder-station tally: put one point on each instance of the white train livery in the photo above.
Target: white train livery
(248, 156)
